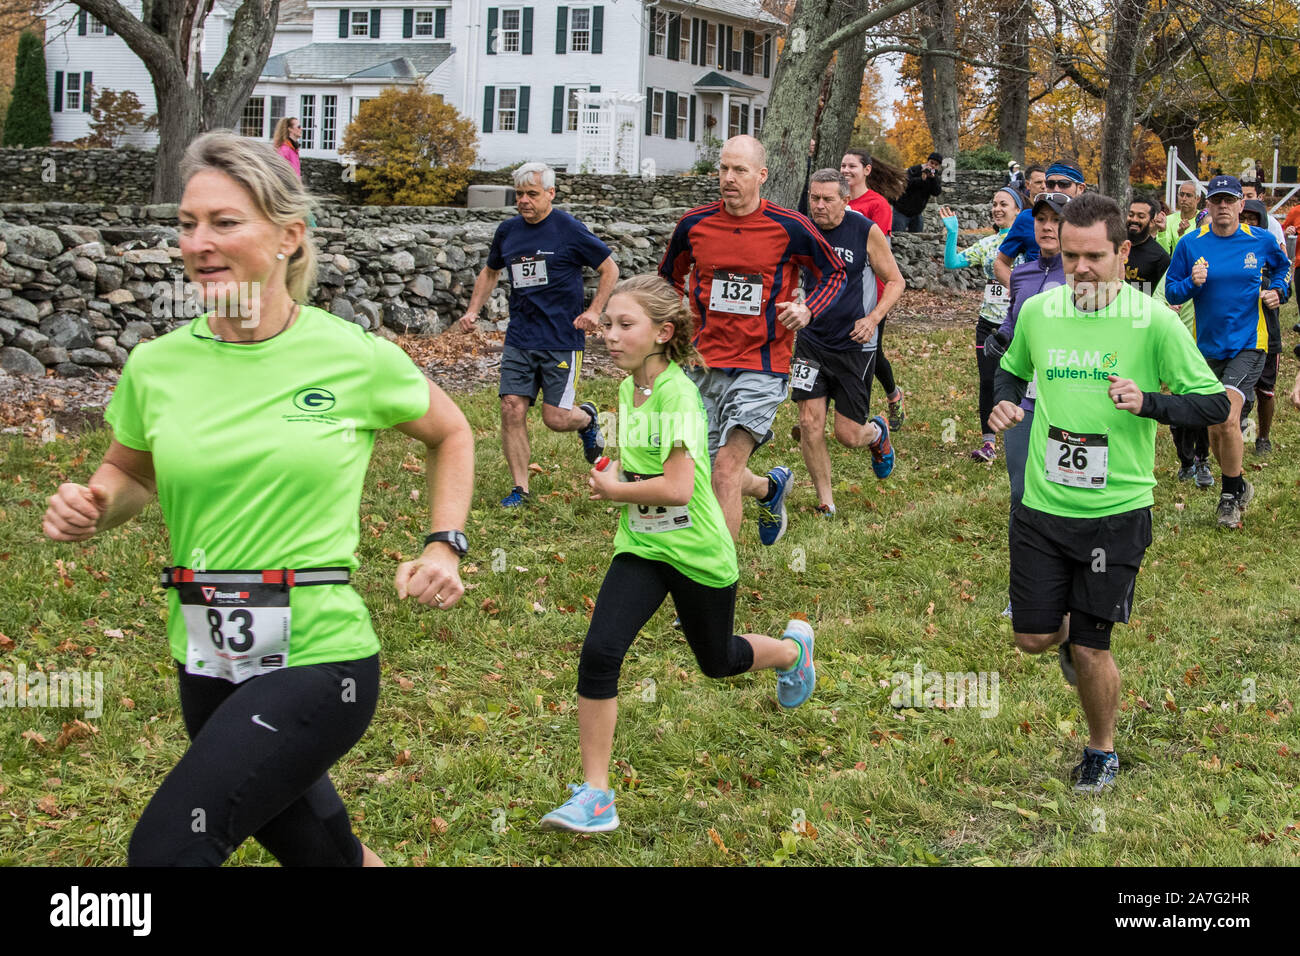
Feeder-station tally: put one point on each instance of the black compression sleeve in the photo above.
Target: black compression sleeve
(1186, 411)
(1008, 387)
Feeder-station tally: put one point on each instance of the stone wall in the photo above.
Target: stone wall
(126, 176)
(82, 284)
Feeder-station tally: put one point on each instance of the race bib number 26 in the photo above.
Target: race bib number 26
(740, 293)
(1075, 459)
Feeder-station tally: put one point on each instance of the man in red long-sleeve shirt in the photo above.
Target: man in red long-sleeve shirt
(743, 255)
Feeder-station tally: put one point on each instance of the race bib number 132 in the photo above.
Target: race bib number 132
(740, 293)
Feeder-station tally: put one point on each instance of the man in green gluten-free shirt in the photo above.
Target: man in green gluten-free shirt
(1101, 350)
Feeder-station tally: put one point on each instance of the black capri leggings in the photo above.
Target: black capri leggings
(257, 766)
(988, 368)
(884, 371)
(632, 591)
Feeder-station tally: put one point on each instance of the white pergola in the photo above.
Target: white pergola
(609, 133)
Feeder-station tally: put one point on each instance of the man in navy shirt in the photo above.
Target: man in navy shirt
(545, 249)
(834, 355)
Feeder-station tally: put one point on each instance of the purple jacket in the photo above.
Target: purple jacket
(1029, 279)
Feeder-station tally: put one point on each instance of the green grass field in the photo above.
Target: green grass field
(476, 732)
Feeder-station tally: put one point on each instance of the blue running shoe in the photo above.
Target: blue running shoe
(588, 811)
(882, 452)
(516, 498)
(795, 686)
(593, 442)
(1095, 772)
(771, 510)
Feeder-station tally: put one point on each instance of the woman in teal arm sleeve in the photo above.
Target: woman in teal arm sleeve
(1007, 203)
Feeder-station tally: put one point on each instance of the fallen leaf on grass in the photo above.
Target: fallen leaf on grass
(535, 468)
(405, 683)
(49, 806)
(34, 737)
(717, 840)
(6, 643)
(74, 730)
(403, 758)
(438, 825)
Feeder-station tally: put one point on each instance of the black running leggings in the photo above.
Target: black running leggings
(988, 368)
(1190, 443)
(240, 778)
(632, 591)
(884, 371)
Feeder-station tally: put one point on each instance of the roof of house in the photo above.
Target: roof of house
(742, 9)
(292, 12)
(713, 80)
(336, 61)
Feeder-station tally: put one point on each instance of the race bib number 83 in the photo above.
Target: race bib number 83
(235, 631)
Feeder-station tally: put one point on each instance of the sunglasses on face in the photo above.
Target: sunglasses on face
(1221, 199)
(1059, 183)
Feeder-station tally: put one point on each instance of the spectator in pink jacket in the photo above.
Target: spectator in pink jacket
(287, 134)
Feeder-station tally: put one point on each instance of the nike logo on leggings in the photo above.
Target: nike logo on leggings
(257, 719)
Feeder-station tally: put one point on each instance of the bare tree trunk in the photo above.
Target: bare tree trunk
(939, 95)
(792, 103)
(1177, 130)
(1013, 85)
(1123, 47)
(167, 37)
(841, 110)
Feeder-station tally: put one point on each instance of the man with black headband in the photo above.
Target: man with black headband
(1062, 177)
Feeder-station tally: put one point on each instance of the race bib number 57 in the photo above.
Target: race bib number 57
(740, 293)
(528, 271)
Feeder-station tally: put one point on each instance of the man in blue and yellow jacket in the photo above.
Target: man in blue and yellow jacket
(1220, 269)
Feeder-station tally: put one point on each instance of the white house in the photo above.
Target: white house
(693, 70)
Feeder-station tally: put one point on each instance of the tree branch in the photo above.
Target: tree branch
(865, 22)
(144, 43)
(873, 52)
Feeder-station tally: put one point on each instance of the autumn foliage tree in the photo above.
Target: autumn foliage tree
(113, 115)
(411, 148)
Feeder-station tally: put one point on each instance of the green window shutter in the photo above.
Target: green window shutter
(85, 92)
(649, 109)
(440, 23)
(527, 43)
(670, 115)
(690, 122)
(650, 22)
(343, 24)
(489, 106)
(744, 117)
(562, 30)
(557, 111)
(767, 54)
(81, 24)
(492, 31)
(674, 34)
(374, 23)
(747, 53)
(58, 91)
(597, 29)
(594, 88)
(522, 125)
(408, 24)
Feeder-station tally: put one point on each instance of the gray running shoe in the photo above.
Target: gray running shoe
(1262, 447)
(1247, 495)
(1204, 477)
(1229, 510)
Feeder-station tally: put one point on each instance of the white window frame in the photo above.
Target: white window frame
(579, 38)
(94, 27)
(329, 121)
(72, 89)
(711, 46)
(757, 116)
(660, 27)
(684, 39)
(572, 109)
(683, 115)
(657, 112)
(307, 120)
(733, 125)
(244, 116)
(361, 19)
(502, 111)
(423, 26)
(506, 35)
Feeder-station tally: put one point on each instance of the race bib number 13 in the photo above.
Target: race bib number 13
(740, 293)
(1076, 460)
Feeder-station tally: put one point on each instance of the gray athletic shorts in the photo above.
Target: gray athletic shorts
(1240, 372)
(738, 399)
(554, 373)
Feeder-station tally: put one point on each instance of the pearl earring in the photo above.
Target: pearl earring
(279, 255)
